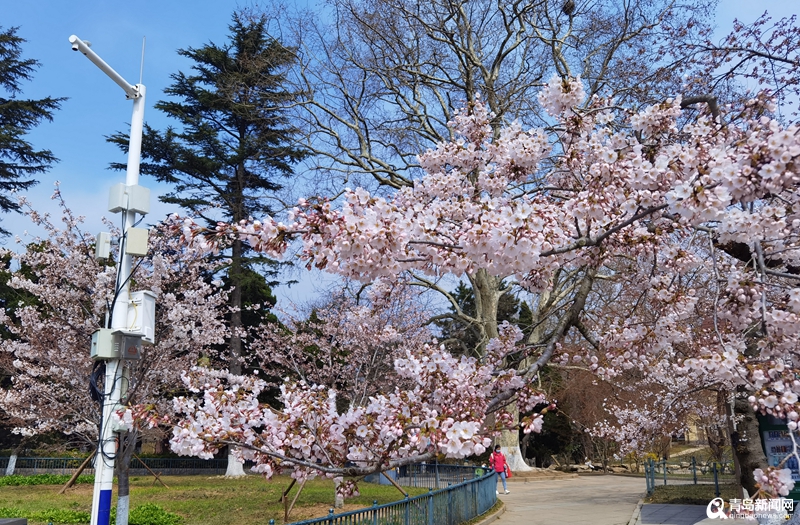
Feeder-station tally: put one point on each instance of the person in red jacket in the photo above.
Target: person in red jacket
(498, 462)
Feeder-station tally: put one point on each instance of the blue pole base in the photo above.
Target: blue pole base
(104, 508)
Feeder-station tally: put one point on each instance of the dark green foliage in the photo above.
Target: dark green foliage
(19, 161)
(234, 142)
(558, 437)
(255, 291)
(42, 479)
(11, 299)
(48, 516)
(525, 318)
(233, 145)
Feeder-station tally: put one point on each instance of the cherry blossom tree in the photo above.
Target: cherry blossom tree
(47, 351)
(438, 409)
(598, 188)
(348, 344)
(384, 77)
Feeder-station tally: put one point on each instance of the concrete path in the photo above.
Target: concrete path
(589, 500)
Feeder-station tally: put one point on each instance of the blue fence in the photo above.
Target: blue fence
(165, 466)
(450, 506)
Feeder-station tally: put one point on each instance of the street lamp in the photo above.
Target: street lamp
(119, 341)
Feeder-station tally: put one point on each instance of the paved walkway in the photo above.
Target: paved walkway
(586, 500)
(594, 500)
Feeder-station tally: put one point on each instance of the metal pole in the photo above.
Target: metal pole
(104, 462)
(80, 45)
(694, 469)
(430, 507)
(473, 496)
(107, 449)
(716, 481)
(449, 506)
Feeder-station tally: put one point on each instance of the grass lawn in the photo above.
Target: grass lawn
(204, 500)
(690, 494)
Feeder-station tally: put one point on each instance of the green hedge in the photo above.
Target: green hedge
(147, 514)
(42, 479)
(52, 515)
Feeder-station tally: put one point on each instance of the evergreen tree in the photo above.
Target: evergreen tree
(233, 144)
(525, 318)
(19, 161)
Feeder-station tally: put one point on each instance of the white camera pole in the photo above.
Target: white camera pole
(104, 459)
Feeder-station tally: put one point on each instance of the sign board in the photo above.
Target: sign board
(777, 445)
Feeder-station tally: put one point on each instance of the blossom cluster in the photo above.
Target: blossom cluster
(442, 411)
(777, 482)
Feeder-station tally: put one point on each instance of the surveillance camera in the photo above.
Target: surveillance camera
(76, 43)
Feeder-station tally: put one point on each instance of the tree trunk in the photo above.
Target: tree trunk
(733, 437)
(486, 289)
(487, 298)
(12, 461)
(338, 499)
(12, 464)
(123, 465)
(235, 275)
(748, 449)
(509, 444)
(235, 468)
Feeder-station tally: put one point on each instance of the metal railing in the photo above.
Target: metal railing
(449, 506)
(687, 473)
(436, 475)
(163, 466)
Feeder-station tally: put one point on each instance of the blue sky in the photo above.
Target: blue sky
(97, 107)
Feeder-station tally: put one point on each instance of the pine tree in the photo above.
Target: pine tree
(19, 161)
(234, 142)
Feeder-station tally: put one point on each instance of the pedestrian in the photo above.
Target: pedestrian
(498, 462)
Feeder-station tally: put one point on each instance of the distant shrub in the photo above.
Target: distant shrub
(41, 479)
(60, 516)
